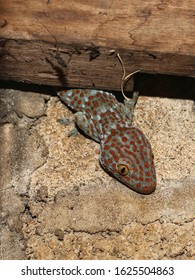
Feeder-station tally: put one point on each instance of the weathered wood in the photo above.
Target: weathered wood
(69, 42)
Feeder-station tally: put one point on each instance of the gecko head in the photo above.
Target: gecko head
(127, 156)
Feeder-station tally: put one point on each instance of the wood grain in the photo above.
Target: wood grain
(69, 42)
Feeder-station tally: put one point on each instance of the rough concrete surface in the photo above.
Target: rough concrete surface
(58, 203)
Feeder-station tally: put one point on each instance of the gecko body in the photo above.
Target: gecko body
(125, 152)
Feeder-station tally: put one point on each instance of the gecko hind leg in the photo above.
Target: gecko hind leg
(73, 132)
(65, 122)
(87, 126)
(83, 123)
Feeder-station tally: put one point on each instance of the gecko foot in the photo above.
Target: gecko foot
(73, 132)
(130, 103)
(65, 121)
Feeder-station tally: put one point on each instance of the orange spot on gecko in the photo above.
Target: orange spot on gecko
(147, 174)
(118, 127)
(135, 169)
(114, 166)
(95, 103)
(141, 168)
(98, 94)
(127, 179)
(148, 180)
(146, 188)
(120, 152)
(106, 147)
(113, 132)
(138, 185)
(108, 139)
(114, 155)
(124, 139)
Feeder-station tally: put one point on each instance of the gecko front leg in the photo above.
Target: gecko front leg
(129, 105)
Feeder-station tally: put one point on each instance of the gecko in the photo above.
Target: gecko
(125, 152)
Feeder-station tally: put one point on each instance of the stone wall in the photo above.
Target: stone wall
(58, 203)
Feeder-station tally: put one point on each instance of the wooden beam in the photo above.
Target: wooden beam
(70, 42)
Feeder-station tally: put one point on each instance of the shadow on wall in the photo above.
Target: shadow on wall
(148, 85)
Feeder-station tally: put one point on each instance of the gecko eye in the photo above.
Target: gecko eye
(123, 169)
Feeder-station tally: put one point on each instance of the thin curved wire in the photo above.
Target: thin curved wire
(124, 77)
